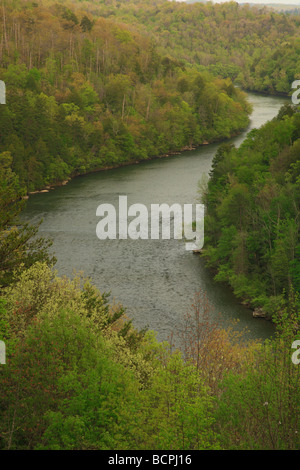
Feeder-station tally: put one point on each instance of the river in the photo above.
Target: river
(154, 279)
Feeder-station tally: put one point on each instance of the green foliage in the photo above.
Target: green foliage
(252, 226)
(260, 409)
(84, 91)
(253, 46)
(178, 409)
(76, 381)
(100, 96)
(20, 248)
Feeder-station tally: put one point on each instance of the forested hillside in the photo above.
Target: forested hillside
(253, 208)
(113, 82)
(255, 46)
(85, 93)
(96, 84)
(79, 377)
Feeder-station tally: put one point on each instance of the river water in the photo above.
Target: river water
(155, 280)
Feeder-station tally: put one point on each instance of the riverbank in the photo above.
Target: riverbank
(156, 281)
(191, 147)
(257, 312)
(242, 245)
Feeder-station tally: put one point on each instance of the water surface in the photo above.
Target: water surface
(155, 280)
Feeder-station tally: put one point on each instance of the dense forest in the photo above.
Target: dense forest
(96, 84)
(118, 82)
(81, 377)
(84, 94)
(256, 47)
(252, 222)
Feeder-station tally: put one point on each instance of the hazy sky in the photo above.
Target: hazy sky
(285, 2)
(258, 2)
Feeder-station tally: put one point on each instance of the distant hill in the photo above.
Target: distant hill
(195, 1)
(293, 9)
